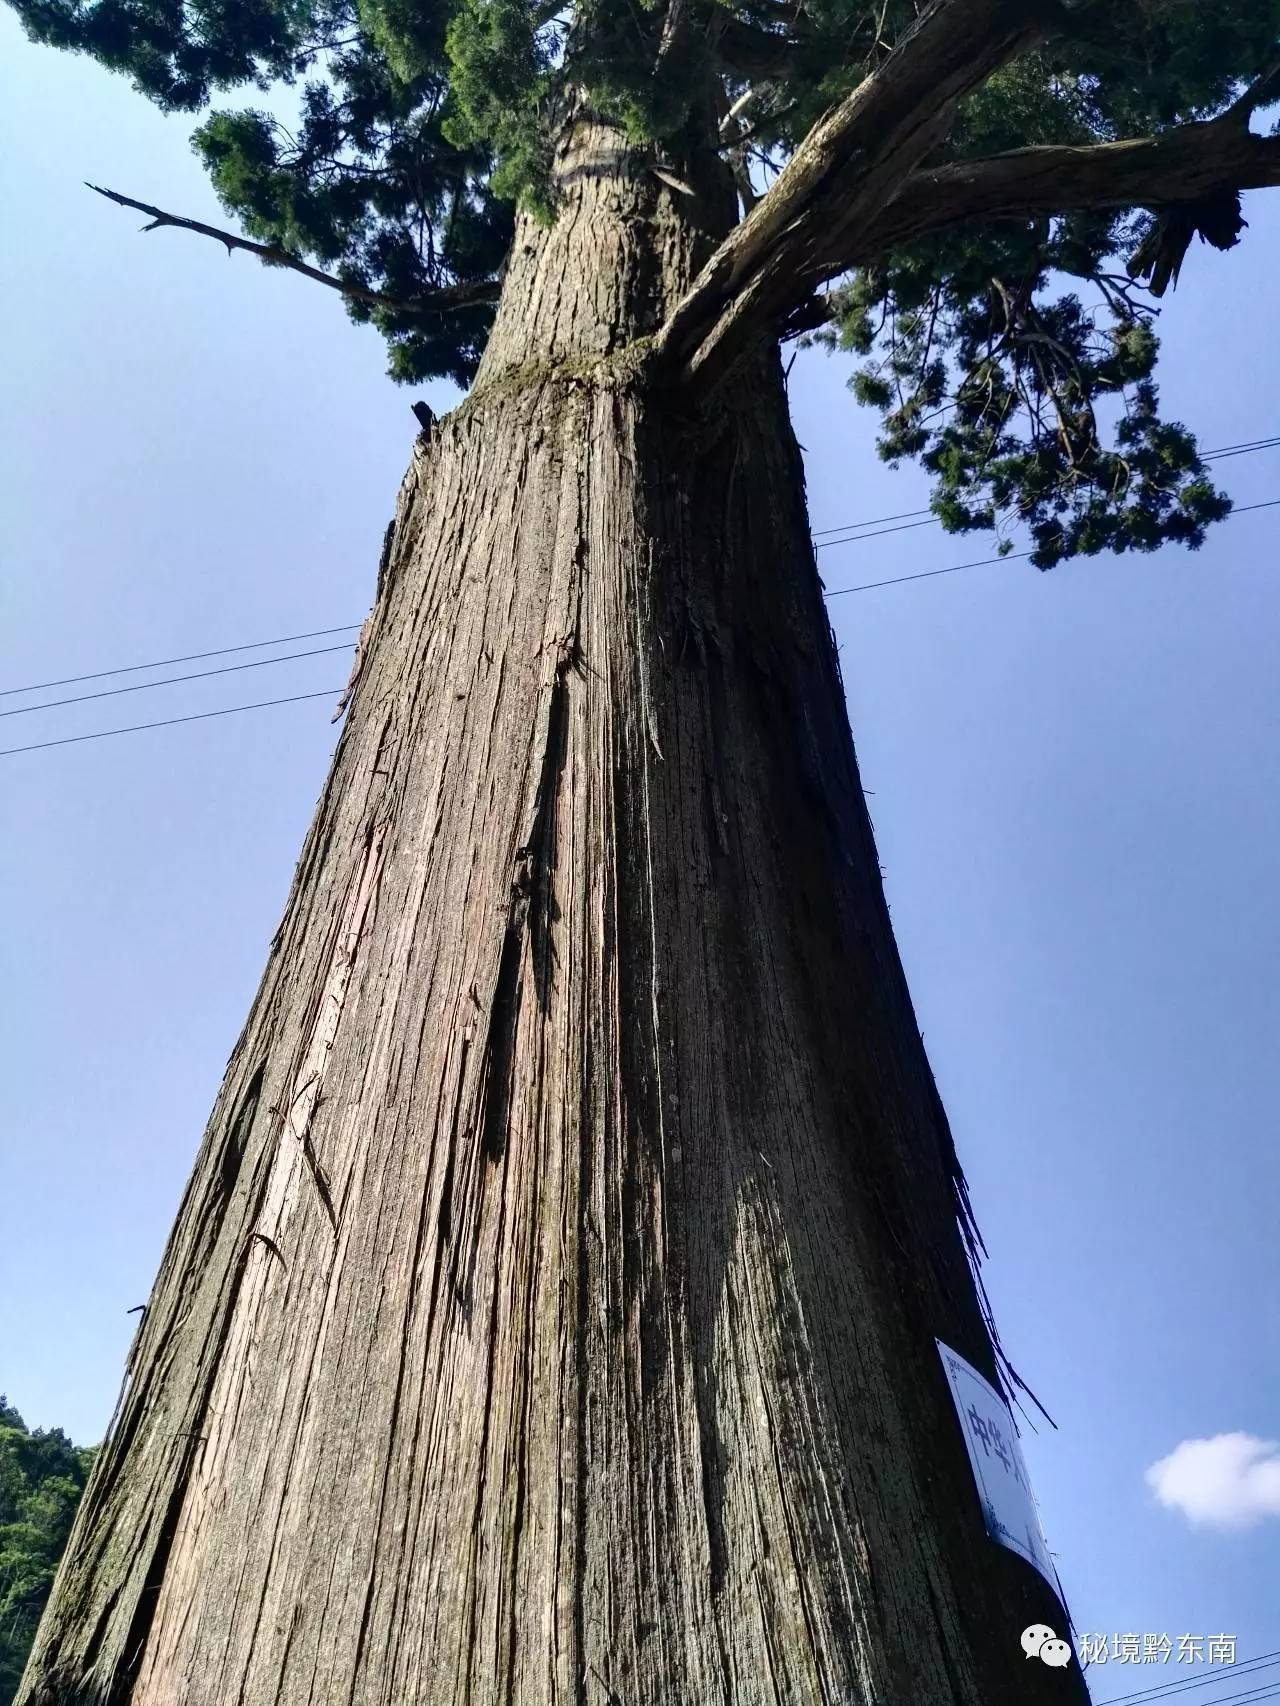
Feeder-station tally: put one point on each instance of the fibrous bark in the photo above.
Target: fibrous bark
(550, 1317)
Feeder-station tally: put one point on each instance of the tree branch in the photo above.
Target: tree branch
(750, 130)
(1186, 164)
(1264, 91)
(443, 301)
(734, 115)
(841, 177)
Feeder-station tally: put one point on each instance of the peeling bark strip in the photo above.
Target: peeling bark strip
(551, 1314)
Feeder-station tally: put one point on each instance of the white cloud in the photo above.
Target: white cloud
(1229, 1481)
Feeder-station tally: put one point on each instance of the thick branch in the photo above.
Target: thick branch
(1197, 160)
(1264, 91)
(841, 177)
(1186, 165)
(433, 302)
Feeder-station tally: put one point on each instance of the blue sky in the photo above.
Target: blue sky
(1074, 785)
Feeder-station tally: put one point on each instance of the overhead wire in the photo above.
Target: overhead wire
(170, 680)
(167, 722)
(1246, 447)
(873, 521)
(878, 533)
(317, 633)
(855, 529)
(1241, 450)
(1009, 557)
(1270, 1690)
(837, 592)
(1161, 1690)
(926, 574)
(189, 657)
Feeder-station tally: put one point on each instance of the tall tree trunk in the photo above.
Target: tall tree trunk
(550, 1317)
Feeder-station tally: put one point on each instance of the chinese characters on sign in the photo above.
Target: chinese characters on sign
(998, 1468)
(1157, 1649)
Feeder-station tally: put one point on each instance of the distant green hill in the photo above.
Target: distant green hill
(42, 1476)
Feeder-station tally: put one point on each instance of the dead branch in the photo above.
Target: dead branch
(744, 100)
(443, 301)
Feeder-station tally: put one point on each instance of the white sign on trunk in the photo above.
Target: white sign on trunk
(1004, 1487)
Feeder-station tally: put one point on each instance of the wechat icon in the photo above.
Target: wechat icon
(1040, 1642)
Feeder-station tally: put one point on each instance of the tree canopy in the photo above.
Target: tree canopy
(1005, 338)
(42, 1476)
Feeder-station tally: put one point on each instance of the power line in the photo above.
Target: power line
(910, 515)
(840, 592)
(190, 657)
(1009, 557)
(170, 681)
(906, 526)
(926, 574)
(167, 722)
(879, 532)
(1245, 448)
(855, 528)
(1241, 450)
(1250, 1697)
(874, 521)
(1246, 1667)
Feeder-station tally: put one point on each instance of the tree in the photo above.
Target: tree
(551, 1314)
(42, 1476)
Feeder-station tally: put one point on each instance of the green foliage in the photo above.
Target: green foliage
(501, 83)
(1007, 387)
(622, 60)
(179, 57)
(369, 183)
(1015, 361)
(42, 1476)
